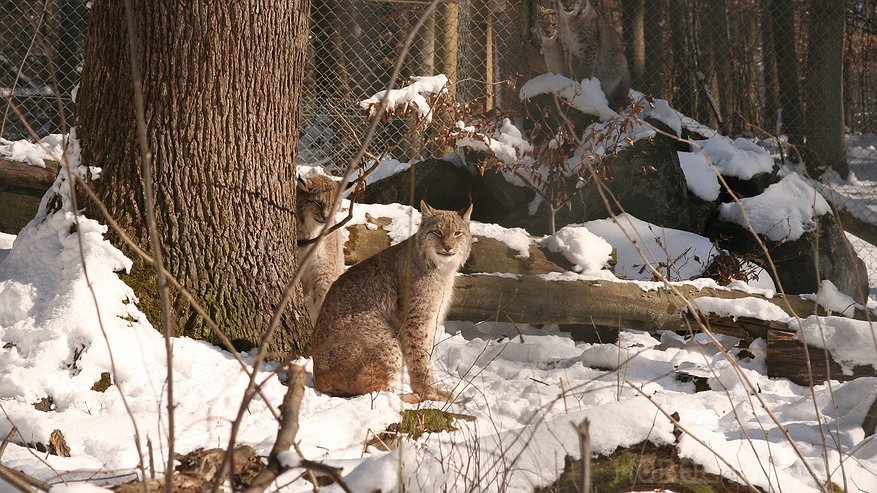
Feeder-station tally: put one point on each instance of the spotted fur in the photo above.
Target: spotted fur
(580, 44)
(384, 311)
(313, 209)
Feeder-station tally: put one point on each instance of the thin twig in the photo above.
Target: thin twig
(288, 429)
(6, 440)
(332, 472)
(583, 430)
(152, 227)
(21, 481)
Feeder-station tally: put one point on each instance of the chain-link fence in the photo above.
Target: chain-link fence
(748, 68)
(40, 60)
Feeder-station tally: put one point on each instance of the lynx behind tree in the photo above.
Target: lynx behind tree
(313, 208)
(385, 310)
(580, 44)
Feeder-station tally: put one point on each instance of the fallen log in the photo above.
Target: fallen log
(787, 357)
(536, 300)
(15, 174)
(21, 188)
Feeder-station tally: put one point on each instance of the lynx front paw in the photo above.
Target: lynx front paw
(427, 395)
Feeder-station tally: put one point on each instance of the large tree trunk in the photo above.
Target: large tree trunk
(656, 81)
(769, 66)
(680, 42)
(782, 14)
(633, 31)
(826, 146)
(221, 90)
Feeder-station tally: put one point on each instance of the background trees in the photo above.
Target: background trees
(221, 89)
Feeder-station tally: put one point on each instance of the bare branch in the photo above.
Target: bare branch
(583, 429)
(152, 227)
(289, 411)
(22, 482)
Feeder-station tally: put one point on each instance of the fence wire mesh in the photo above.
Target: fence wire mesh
(747, 68)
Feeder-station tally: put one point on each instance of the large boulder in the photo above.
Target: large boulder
(442, 184)
(646, 181)
(803, 263)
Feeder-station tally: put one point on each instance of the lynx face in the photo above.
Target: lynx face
(313, 205)
(445, 236)
(547, 22)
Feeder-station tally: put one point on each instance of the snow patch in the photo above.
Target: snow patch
(785, 210)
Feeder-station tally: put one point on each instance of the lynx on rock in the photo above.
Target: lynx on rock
(384, 311)
(313, 208)
(580, 44)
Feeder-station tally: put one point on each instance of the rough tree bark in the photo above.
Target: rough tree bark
(824, 116)
(221, 90)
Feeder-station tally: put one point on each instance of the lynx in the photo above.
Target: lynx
(384, 311)
(313, 209)
(580, 44)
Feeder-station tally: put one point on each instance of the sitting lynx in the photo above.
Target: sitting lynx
(312, 210)
(580, 44)
(384, 311)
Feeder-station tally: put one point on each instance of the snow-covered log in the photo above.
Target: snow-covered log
(17, 174)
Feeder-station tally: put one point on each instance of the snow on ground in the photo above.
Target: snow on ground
(523, 390)
(59, 331)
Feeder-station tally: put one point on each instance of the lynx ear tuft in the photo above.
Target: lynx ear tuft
(303, 184)
(467, 212)
(426, 210)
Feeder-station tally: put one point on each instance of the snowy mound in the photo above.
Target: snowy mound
(506, 142)
(50, 147)
(699, 175)
(785, 210)
(676, 254)
(586, 251)
(739, 158)
(410, 97)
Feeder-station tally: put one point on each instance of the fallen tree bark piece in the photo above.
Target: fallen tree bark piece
(787, 358)
(870, 423)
